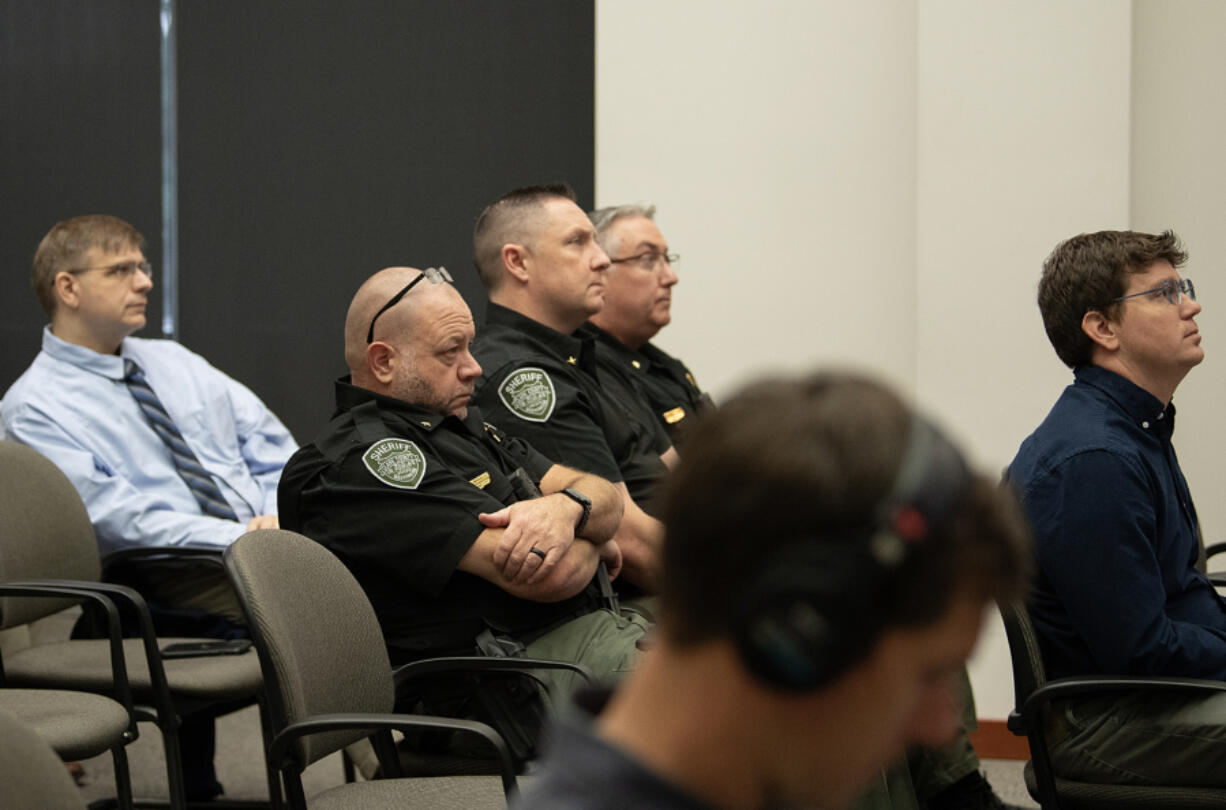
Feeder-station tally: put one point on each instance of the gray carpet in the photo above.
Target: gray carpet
(240, 766)
(1006, 777)
(239, 761)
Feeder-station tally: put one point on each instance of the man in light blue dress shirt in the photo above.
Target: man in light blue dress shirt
(72, 405)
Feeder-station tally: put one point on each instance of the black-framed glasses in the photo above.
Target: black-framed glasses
(435, 275)
(1172, 290)
(121, 270)
(649, 259)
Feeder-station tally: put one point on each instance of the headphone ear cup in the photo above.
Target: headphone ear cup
(799, 626)
(817, 604)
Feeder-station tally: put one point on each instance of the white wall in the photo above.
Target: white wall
(873, 184)
(1023, 141)
(1179, 182)
(778, 141)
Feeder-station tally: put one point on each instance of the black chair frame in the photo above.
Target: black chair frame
(1034, 700)
(122, 692)
(165, 710)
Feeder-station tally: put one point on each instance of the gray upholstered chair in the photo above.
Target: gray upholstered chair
(32, 776)
(329, 680)
(77, 725)
(81, 725)
(47, 545)
(1034, 696)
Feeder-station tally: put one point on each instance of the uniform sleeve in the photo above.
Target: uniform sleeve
(1095, 542)
(417, 529)
(533, 462)
(544, 406)
(123, 516)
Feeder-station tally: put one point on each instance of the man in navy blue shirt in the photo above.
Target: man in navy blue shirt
(1115, 529)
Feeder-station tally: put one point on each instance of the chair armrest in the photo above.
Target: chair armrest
(406, 673)
(1072, 687)
(279, 751)
(1213, 549)
(1217, 578)
(136, 556)
(67, 587)
(153, 656)
(1031, 720)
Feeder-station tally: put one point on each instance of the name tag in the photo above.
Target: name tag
(674, 416)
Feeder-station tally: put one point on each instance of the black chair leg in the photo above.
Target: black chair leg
(276, 799)
(174, 768)
(347, 767)
(123, 778)
(294, 793)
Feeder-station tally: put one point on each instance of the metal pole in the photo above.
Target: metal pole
(169, 272)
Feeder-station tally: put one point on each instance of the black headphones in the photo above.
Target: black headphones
(817, 604)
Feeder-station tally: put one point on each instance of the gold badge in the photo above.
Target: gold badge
(481, 481)
(572, 360)
(674, 416)
(636, 364)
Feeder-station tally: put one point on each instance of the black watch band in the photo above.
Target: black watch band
(584, 501)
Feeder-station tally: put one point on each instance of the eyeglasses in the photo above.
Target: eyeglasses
(122, 270)
(433, 275)
(649, 260)
(1172, 290)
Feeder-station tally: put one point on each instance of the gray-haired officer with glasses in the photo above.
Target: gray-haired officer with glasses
(637, 305)
(1115, 529)
(164, 449)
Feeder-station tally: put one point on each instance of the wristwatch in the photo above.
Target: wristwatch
(584, 501)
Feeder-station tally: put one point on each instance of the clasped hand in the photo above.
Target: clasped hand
(546, 524)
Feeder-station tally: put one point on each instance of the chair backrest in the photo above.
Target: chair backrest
(1028, 672)
(320, 644)
(33, 777)
(45, 531)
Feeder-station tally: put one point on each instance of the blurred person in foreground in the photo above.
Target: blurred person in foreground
(827, 563)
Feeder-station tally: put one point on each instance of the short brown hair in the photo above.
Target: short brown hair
(511, 218)
(68, 241)
(814, 457)
(1087, 274)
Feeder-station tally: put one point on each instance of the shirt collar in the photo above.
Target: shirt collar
(349, 396)
(564, 346)
(104, 365)
(625, 355)
(1143, 408)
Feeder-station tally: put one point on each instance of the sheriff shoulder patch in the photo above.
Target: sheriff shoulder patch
(529, 394)
(396, 462)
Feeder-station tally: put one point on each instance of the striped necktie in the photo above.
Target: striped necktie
(196, 477)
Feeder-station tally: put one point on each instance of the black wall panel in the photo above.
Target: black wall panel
(322, 141)
(318, 142)
(80, 133)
